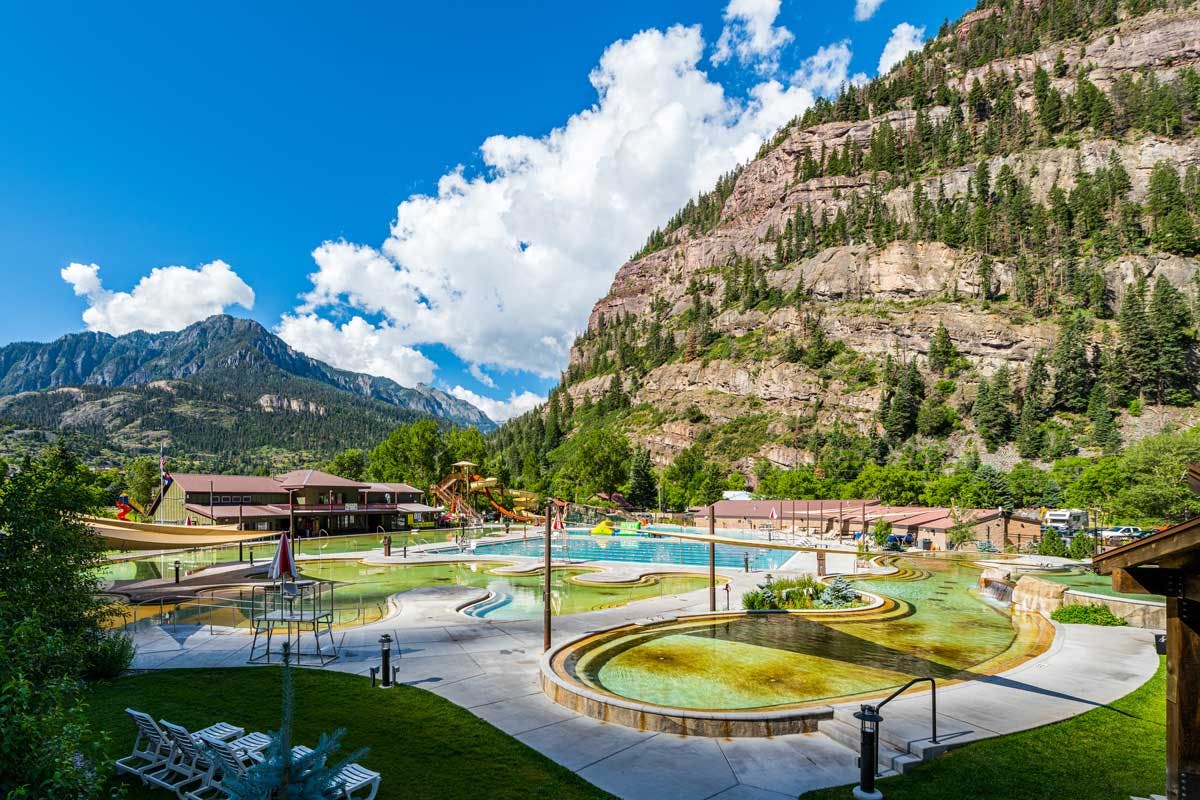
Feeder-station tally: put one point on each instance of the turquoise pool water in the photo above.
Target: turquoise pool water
(639, 549)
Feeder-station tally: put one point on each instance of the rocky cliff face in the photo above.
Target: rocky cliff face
(880, 299)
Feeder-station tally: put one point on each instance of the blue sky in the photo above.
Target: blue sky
(247, 136)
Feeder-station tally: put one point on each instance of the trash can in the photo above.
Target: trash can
(927, 544)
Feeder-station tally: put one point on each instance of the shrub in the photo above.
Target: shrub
(1051, 544)
(47, 747)
(1090, 614)
(1082, 546)
(111, 656)
(753, 601)
(838, 594)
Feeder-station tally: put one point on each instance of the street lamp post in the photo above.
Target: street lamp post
(868, 753)
(385, 655)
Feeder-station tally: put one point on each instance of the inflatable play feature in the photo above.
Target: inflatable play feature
(623, 528)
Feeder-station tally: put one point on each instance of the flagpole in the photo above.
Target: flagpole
(158, 506)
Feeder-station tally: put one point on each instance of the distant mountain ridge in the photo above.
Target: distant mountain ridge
(218, 344)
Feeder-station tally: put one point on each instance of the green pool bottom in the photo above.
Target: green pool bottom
(159, 566)
(516, 596)
(938, 626)
(363, 592)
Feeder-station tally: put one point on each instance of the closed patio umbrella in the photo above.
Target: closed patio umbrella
(282, 564)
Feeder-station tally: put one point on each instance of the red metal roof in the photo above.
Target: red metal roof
(396, 488)
(306, 478)
(228, 484)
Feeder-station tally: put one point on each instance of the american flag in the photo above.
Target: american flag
(167, 480)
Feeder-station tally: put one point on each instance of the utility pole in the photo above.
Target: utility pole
(546, 583)
(712, 558)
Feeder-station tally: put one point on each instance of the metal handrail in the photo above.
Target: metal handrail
(868, 716)
(932, 700)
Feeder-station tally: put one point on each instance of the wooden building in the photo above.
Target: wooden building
(316, 500)
(1168, 563)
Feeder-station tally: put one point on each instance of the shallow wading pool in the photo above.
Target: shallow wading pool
(779, 668)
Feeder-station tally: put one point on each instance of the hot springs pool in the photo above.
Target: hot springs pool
(933, 623)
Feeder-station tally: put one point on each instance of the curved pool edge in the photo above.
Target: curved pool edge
(779, 721)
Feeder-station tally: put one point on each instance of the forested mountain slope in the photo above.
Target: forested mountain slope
(991, 248)
(223, 392)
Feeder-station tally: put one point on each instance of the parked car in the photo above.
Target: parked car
(1122, 532)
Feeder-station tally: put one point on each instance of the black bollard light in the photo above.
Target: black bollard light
(868, 753)
(177, 572)
(241, 558)
(385, 653)
(252, 555)
(746, 561)
(387, 546)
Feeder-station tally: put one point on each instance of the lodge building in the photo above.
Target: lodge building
(920, 526)
(317, 500)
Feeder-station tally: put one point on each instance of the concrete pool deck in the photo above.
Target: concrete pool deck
(492, 669)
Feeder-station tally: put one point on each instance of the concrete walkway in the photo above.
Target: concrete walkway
(491, 669)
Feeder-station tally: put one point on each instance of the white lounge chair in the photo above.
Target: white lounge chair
(350, 779)
(188, 763)
(231, 759)
(151, 747)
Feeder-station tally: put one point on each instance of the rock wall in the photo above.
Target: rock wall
(1034, 594)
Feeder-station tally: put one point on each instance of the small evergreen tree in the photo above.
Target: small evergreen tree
(942, 352)
(643, 488)
(282, 775)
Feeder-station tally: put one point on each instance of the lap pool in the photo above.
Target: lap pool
(639, 549)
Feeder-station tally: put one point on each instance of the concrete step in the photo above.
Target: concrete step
(893, 736)
(891, 760)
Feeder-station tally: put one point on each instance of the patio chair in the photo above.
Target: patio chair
(151, 747)
(231, 759)
(188, 762)
(350, 779)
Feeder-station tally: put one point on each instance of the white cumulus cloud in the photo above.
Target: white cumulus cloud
(865, 9)
(169, 298)
(751, 34)
(828, 69)
(478, 374)
(904, 39)
(500, 410)
(357, 345)
(502, 267)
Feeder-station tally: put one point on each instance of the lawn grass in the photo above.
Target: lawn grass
(1109, 753)
(424, 746)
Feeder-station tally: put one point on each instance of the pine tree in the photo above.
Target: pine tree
(1072, 368)
(282, 774)
(942, 352)
(1171, 356)
(905, 404)
(1030, 440)
(1104, 430)
(643, 489)
(993, 417)
(1137, 340)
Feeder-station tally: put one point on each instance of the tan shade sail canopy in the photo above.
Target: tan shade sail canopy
(128, 535)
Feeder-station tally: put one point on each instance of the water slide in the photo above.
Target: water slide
(125, 504)
(487, 492)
